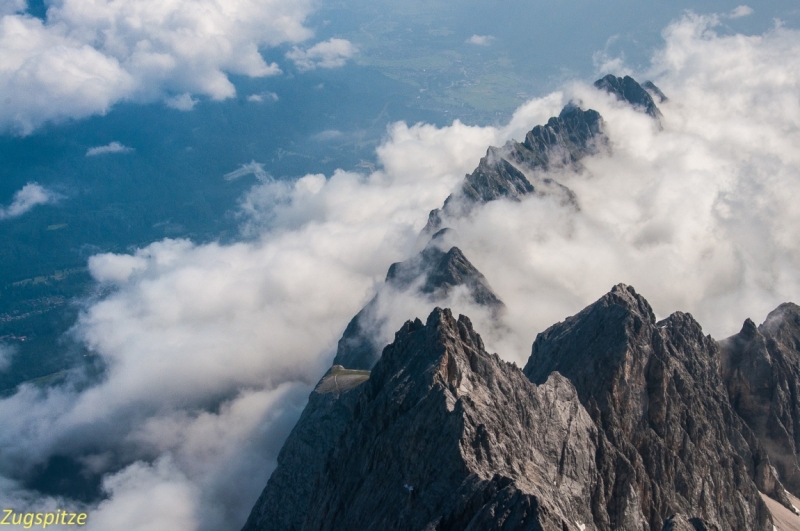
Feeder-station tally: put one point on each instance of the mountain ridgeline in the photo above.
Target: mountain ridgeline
(617, 421)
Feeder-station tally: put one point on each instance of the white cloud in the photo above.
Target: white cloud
(46, 74)
(741, 11)
(8, 7)
(332, 53)
(606, 62)
(112, 147)
(89, 55)
(211, 349)
(328, 135)
(262, 97)
(148, 497)
(251, 168)
(480, 40)
(26, 198)
(182, 102)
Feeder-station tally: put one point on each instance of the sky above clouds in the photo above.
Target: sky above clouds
(211, 349)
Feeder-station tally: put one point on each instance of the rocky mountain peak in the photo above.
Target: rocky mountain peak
(749, 330)
(783, 322)
(618, 421)
(433, 274)
(433, 452)
(655, 392)
(439, 271)
(627, 89)
(517, 169)
(761, 371)
(654, 91)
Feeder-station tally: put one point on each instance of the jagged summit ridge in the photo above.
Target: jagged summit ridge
(627, 89)
(425, 448)
(432, 274)
(518, 169)
(618, 422)
(654, 390)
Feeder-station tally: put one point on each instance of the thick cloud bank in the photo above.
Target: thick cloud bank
(86, 56)
(211, 350)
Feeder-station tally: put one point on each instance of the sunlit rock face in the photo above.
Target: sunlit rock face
(618, 421)
(655, 392)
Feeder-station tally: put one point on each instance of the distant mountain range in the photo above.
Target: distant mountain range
(617, 421)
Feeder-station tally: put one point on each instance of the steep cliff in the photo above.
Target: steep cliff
(761, 370)
(618, 422)
(672, 442)
(444, 436)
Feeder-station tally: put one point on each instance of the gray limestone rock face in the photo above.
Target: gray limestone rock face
(679, 522)
(654, 91)
(761, 371)
(617, 422)
(563, 141)
(446, 436)
(283, 503)
(432, 274)
(627, 89)
(519, 169)
(670, 441)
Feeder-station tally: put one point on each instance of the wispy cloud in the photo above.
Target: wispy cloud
(6, 353)
(181, 102)
(741, 11)
(25, 199)
(328, 135)
(262, 97)
(113, 147)
(251, 168)
(332, 53)
(480, 40)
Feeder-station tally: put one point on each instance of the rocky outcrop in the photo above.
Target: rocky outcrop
(432, 275)
(670, 440)
(446, 436)
(761, 370)
(284, 501)
(519, 168)
(516, 169)
(679, 522)
(627, 89)
(617, 422)
(655, 92)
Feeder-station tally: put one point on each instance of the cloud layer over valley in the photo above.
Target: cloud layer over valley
(86, 56)
(211, 350)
